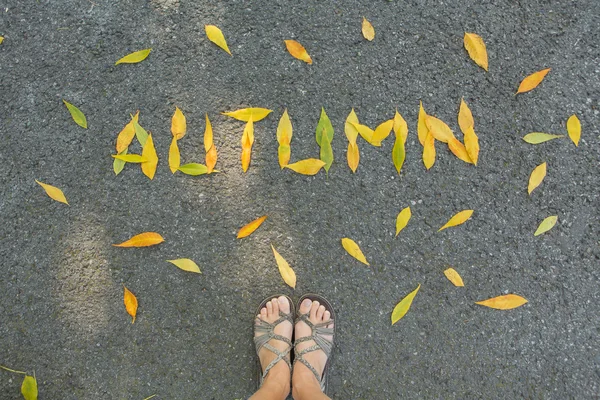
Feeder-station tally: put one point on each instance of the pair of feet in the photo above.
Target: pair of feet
(317, 314)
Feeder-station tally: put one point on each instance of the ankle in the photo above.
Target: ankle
(278, 380)
(303, 381)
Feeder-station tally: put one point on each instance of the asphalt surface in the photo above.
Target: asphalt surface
(61, 281)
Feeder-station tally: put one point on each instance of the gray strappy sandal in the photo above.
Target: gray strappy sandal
(317, 334)
(262, 340)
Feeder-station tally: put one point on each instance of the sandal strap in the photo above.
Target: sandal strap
(321, 343)
(266, 328)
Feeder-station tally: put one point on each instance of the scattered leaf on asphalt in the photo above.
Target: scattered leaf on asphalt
(574, 129)
(353, 155)
(144, 239)
(1, 39)
(29, 388)
(403, 306)
(149, 153)
(193, 169)
(131, 303)
(472, 145)
(454, 277)
(459, 150)
(540, 137)
(382, 131)
(324, 123)
(439, 129)
(365, 132)
(284, 137)
(537, 176)
(287, 273)
(209, 147)
(174, 156)
(476, 48)
(547, 224)
(247, 229)
(118, 165)
(457, 219)
(326, 153)
(129, 158)
(422, 129)
(126, 135)
(178, 124)
(429, 151)
(215, 35)
(247, 142)
(186, 264)
(134, 57)
(298, 51)
(140, 133)
(367, 30)
(245, 114)
(506, 302)
(352, 248)
(465, 117)
(53, 192)
(399, 150)
(309, 166)
(76, 114)
(402, 219)
(532, 81)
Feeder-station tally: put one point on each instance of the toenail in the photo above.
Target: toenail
(306, 303)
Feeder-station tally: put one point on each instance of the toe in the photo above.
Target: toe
(320, 312)
(305, 306)
(275, 305)
(313, 310)
(269, 309)
(263, 313)
(284, 304)
(326, 316)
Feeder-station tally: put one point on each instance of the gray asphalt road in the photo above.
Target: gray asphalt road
(61, 307)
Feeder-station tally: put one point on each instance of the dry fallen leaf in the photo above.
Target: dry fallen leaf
(422, 129)
(126, 135)
(134, 57)
(429, 151)
(476, 48)
(352, 248)
(287, 273)
(178, 124)
(1, 39)
(131, 303)
(367, 30)
(129, 158)
(382, 131)
(140, 133)
(540, 137)
(245, 114)
(209, 147)
(193, 169)
(439, 129)
(118, 165)
(547, 224)
(142, 240)
(174, 156)
(284, 137)
(472, 145)
(247, 229)
(454, 277)
(309, 166)
(402, 219)
(505, 302)
(53, 192)
(76, 114)
(215, 35)
(298, 51)
(29, 388)
(365, 132)
(353, 155)
(326, 153)
(399, 150)
(459, 150)
(532, 81)
(458, 219)
(247, 142)
(465, 117)
(574, 129)
(149, 153)
(403, 306)
(186, 264)
(537, 176)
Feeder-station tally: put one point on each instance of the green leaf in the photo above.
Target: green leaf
(134, 57)
(398, 153)
(324, 123)
(118, 165)
(29, 388)
(402, 308)
(193, 169)
(131, 158)
(76, 114)
(540, 137)
(547, 224)
(140, 133)
(326, 151)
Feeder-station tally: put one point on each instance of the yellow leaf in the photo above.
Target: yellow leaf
(245, 114)
(476, 49)
(349, 128)
(401, 132)
(439, 129)
(53, 192)
(193, 169)
(400, 127)
(422, 129)
(118, 165)
(209, 147)
(537, 176)
(178, 124)
(1, 39)
(174, 156)
(505, 302)
(247, 229)
(247, 141)
(130, 158)
(186, 264)
(131, 303)
(366, 132)
(457, 219)
(142, 240)
(465, 117)
(402, 219)
(547, 224)
(472, 145)
(298, 51)
(76, 114)
(454, 277)
(532, 81)
(149, 153)
(574, 129)
(403, 306)
(352, 248)
(287, 273)
(367, 30)
(353, 156)
(215, 35)
(310, 166)
(459, 150)
(29, 388)
(429, 151)
(382, 131)
(284, 137)
(126, 135)
(540, 137)
(134, 57)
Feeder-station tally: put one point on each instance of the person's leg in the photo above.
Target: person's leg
(305, 385)
(276, 385)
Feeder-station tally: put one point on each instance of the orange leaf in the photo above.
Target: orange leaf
(459, 150)
(298, 51)
(246, 230)
(209, 147)
(142, 240)
(505, 302)
(532, 81)
(131, 303)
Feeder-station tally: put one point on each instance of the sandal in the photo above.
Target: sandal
(267, 330)
(318, 333)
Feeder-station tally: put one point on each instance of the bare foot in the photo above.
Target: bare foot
(270, 313)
